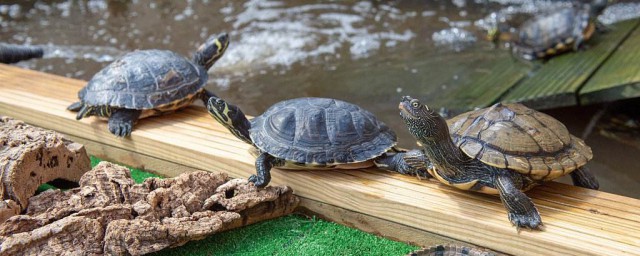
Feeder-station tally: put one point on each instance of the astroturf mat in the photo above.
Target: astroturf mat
(288, 235)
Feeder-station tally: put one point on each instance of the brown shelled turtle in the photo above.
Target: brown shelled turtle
(148, 83)
(504, 149)
(316, 133)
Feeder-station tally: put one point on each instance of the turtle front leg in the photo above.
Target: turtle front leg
(520, 208)
(122, 120)
(205, 95)
(264, 163)
(582, 177)
(412, 162)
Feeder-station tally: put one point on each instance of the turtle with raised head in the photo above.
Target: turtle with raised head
(504, 149)
(148, 83)
(316, 133)
(559, 31)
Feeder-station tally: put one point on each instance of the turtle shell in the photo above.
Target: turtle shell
(144, 79)
(512, 136)
(318, 131)
(555, 32)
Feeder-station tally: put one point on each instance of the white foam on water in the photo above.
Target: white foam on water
(73, 52)
(620, 12)
(456, 38)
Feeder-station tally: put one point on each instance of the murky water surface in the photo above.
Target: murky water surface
(366, 52)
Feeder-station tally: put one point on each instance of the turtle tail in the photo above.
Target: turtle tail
(83, 112)
(11, 53)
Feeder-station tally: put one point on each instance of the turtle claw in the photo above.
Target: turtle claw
(257, 181)
(120, 129)
(528, 221)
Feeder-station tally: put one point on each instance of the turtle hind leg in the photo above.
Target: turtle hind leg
(582, 177)
(264, 163)
(412, 162)
(520, 208)
(75, 107)
(122, 120)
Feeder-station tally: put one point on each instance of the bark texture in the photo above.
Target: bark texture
(31, 156)
(110, 214)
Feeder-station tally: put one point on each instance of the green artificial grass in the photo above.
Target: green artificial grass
(288, 235)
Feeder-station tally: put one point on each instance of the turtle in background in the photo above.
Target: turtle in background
(549, 34)
(504, 149)
(12, 53)
(147, 83)
(316, 133)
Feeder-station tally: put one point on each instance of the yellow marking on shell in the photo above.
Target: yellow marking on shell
(560, 46)
(463, 186)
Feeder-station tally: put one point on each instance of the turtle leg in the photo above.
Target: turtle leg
(521, 210)
(412, 162)
(264, 163)
(582, 177)
(205, 95)
(121, 121)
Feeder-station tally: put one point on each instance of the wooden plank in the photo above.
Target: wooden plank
(577, 221)
(619, 76)
(486, 87)
(556, 83)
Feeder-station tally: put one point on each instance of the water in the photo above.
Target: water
(367, 52)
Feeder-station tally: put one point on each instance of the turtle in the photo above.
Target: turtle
(504, 149)
(316, 133)
(11, 53)
(146, 83)
(560, 31)
(452, 250)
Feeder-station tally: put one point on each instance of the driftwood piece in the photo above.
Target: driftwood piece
(109, 214)
(31, 156)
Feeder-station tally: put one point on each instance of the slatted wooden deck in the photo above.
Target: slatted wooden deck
(577, 221)
(608, 70)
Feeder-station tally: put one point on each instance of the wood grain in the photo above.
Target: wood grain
(557, 82)
(619, 76)
(577, 221)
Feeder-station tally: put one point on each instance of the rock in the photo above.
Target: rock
(31, 156)
(109, 214)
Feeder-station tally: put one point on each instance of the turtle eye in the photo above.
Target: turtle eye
(415, 104)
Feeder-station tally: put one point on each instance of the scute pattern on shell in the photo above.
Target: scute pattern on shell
(561, 27)
(144, 80)
(515, 137)
(321, 131)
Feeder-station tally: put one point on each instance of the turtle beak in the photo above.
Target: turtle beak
(404, 107)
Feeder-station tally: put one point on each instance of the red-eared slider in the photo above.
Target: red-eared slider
(11, 53)
(504, 149)
(147, 83)
(316, 133)
(560, 31)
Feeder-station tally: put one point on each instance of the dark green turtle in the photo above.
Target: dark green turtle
(11, 53)
(316, 133)
(504, 150)
(557, 32)
(147, 83)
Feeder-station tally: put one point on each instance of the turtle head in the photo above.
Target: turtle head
(423, 123)
(231, 117)
(598, 6)
(209, 52)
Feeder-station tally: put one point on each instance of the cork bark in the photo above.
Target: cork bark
(31, 156)
(110, 214)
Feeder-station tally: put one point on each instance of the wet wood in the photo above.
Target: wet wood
(555, 84)
(577, 221)
(619, 77)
